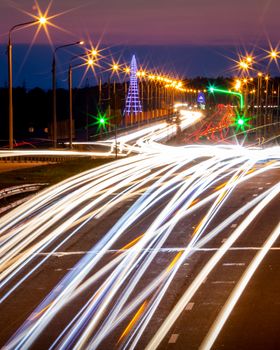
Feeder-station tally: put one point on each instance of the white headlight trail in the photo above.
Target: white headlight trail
(171, 183)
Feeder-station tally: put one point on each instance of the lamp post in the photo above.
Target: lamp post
(90, 62)
(100, 92)
(228, 92)
(152, 96)
(259, 103)
(54, 86)
(41, 21)
(148, 101)
(266, 106)
(278, 99)
(115, 69)
(143, 74)
(70, 105)
(126, 74)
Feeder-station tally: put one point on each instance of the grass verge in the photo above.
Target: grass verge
(49, 173)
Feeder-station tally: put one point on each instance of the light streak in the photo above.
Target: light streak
(132, 322)
(238, 290)
(188, 294)
(166, 185)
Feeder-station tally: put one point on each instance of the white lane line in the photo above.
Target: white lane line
(255, 195)
(223, 240)
(189, 306)
(233, 264)
(173, 338)
(223, 282)
(260, 188)
(233, 225)
(226, 310)
(163, 250)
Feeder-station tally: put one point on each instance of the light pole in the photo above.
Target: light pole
(259, 103)
(152, 96)
(90, 63)
(54, 86)
(278, 99)
(127, 73)
(148, 101)
(70, 106)
(41, 21)
(228, 92)
(115, 69)
(143, 74)
(266, 106)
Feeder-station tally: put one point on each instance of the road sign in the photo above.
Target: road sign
(201, 98)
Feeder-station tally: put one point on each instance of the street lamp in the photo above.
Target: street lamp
(54, 86)
(115, 69)
(266, 78)
(243, 65)
(152, 79)
(42, 21)
(142, 77)
(273, 54)
(259, 102)
(237, 85)
(89, 62)
(249, 59)
(212, 89)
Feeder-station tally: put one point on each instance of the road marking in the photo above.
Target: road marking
(223, 240)
(233, 225)
(189, 306)
(223, 282)
(255, 195)
(233, 264)
(260, 188)
(163, 250)
(173, 338)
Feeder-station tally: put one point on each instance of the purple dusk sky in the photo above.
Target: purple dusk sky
(152, 22)
(188, 37)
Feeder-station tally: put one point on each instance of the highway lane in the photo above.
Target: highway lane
(106, 253)
(201, 311)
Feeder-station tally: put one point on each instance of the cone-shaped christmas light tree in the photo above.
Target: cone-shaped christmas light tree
(132, 103)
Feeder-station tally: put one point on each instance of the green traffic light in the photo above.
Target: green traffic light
(100, 120)
(241, 123)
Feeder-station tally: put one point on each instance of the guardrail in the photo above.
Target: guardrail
(14, 190)
(36, 158)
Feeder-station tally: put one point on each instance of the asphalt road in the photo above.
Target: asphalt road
(253, 322)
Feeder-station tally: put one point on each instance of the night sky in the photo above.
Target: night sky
(190, 37)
